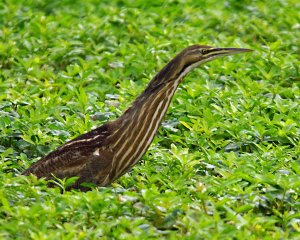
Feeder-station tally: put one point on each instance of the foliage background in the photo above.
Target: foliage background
(225, 163)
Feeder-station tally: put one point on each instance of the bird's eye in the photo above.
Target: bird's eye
(204, 51)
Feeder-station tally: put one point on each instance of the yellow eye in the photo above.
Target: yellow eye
(204, 51)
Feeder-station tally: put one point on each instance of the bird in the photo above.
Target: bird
(104, 154)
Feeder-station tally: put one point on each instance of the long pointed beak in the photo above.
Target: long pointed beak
(215, 52)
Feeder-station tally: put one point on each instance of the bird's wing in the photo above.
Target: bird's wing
(86, 155)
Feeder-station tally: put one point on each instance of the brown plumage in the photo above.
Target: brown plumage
(107, 152)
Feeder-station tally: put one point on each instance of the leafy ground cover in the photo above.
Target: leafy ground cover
(225, 163)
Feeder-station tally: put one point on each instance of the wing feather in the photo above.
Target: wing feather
(87, 156)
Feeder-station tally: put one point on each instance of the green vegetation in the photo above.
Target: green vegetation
(225, 163)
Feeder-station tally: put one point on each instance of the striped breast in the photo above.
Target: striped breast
(137, 131)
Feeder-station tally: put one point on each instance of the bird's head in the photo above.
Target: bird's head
(188, 59)
(195, 55)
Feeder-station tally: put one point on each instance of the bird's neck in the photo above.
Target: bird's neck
(146, 112)
(150, 106)
(139, 124)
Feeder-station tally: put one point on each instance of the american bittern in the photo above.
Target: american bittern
(107, 152)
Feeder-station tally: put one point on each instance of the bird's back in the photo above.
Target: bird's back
(88, 157)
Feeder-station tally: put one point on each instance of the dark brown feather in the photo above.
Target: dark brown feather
(77, 158)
